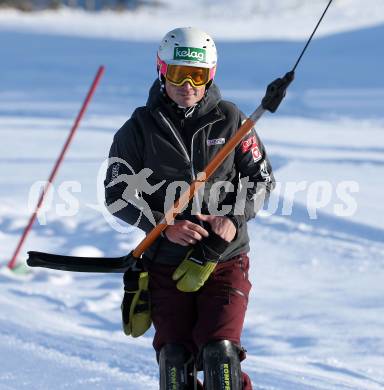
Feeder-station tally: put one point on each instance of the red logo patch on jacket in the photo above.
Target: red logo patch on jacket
(248, 144)
(251, 144)
(256, 154)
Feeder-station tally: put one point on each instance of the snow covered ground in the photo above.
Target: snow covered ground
(316, 314)
(227, 19)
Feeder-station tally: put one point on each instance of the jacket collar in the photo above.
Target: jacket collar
(207, 112)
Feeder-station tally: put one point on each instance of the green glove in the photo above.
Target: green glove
(199, 263)
(135, 307)
(191, 274)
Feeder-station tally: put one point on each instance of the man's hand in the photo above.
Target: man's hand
(185, 233)
(201, 260)
(220, 225)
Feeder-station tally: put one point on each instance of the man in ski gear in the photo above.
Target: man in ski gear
(198, 269)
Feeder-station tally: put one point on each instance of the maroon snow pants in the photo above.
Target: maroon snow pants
(215, 312)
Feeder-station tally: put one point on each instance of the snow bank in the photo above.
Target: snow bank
(225, 20)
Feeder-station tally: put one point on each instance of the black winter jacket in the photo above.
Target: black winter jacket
(155, 137)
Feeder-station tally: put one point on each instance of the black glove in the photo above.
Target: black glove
(276, 92)
(209, 248)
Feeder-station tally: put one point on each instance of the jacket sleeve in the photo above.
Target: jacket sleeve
(256, 177)
(125, 160)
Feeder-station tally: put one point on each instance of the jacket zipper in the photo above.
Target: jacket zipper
(176, 136)
(189, 157)
(196, 198)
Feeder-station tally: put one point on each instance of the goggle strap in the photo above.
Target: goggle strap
(162, 66)
(212, 73)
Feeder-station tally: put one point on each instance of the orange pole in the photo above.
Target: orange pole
(186, 196)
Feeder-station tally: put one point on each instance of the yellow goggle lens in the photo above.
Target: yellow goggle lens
(179, 74)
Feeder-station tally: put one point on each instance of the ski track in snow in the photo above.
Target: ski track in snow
(315, 318)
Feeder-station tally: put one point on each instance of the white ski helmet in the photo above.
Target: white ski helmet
(187, 46)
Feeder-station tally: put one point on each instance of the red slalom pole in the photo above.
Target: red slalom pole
(99, 74)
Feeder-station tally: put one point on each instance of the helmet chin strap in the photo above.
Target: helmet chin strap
(162, 84)
(160, 76)
(207, 86)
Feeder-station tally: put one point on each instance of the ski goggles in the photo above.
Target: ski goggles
(179, 74)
